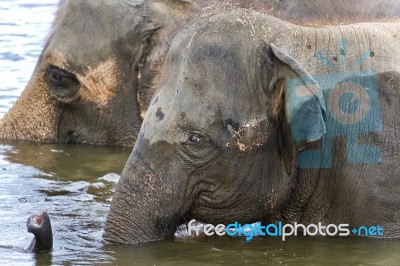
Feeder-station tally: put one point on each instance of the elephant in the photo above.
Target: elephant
(40, 226)
(99, 67)
(257, 119)
(340, 11)
(96, 73)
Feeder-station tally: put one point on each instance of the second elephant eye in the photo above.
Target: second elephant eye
(193, 139)
(56, 77)
(62, 84)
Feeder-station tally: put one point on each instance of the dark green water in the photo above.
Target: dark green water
(68, 181)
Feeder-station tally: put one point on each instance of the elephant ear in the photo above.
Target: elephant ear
(305, 107)
(165, 17)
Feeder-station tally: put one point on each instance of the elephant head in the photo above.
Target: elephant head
(211, 145)
(221, 138)
(95, 76)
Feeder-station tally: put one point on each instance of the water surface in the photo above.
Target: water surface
(24, 25)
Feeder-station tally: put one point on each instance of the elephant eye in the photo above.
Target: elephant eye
(193, 139)
(56, 77)
(62, 84)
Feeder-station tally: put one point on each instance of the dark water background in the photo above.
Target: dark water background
(73, 183)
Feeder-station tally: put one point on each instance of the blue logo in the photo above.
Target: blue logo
(352, 107)
(368, 231)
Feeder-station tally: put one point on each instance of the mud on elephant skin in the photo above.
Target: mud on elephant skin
(217, 143)
(95, 76)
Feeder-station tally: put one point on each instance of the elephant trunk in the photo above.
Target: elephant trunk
(141, 208)
(33, 115)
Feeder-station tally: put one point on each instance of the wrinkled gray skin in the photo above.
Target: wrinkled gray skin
(95, 76)
(40, 226)
(337, 10)
(216, 142)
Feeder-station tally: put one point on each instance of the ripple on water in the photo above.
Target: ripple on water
(76, 204)
(24, 25)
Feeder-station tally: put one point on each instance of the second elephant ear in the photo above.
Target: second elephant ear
(305, 107)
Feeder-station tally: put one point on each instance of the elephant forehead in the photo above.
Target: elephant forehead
(167, 121)
(56, 57)
(89, 31)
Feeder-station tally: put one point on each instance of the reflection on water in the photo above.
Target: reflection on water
(72, 183)
(261, 251)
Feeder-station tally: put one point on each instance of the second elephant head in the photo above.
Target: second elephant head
(96, 74)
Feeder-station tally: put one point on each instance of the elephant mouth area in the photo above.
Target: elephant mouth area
(68, 137)
(64, 135)
(181, 231)
(72, 137)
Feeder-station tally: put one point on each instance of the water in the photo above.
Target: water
(24, 25)
(73, 184)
